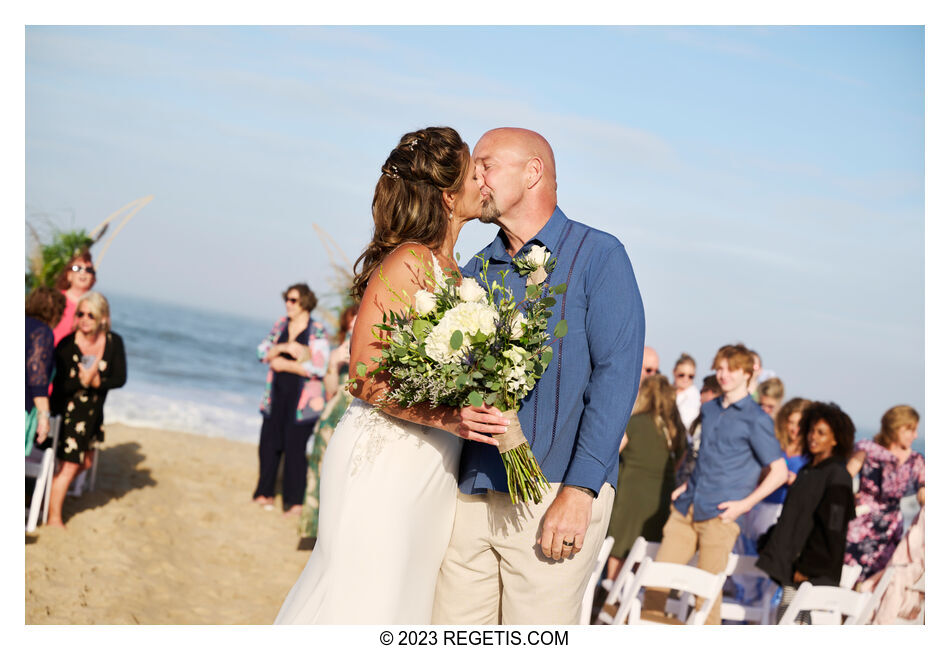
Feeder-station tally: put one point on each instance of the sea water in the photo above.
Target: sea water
(189, 370)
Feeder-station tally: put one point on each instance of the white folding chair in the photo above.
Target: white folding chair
(85, 481)
(666, 575)
(849, 575)
(41, 464)
(615, 588)
(587, 603)
(837, 601)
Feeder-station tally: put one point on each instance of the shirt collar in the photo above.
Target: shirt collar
(548, 237)
(741, 404)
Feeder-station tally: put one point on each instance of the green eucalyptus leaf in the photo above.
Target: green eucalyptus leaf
(489, 362)
(560, 330)
(547, 302)
(546, 356)
(532, 291)
(475, 398)
(361, 369)
(456, 340)
(559, 289)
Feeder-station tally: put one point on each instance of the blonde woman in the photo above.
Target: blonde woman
(89, 362)
(655, 439)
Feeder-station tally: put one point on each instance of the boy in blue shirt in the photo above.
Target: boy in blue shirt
(738, 441)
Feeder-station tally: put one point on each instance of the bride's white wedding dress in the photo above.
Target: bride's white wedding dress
(387, 504)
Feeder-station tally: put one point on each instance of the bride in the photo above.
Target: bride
(389, 478)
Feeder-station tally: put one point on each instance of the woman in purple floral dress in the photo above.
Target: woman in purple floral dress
(887, 467)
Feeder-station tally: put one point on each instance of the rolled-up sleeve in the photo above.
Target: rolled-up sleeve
(615, 326)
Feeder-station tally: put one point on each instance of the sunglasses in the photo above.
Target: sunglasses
(85, 314)
(292, 301)
(680, 375)
(88, 269)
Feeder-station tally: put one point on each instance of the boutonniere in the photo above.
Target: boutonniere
(537, 263)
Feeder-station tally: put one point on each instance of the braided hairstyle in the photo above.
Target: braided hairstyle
(407, 204)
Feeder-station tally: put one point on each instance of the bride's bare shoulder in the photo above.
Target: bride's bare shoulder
(408, 262)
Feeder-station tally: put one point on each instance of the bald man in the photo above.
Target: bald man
(651, 363)
(529, 563)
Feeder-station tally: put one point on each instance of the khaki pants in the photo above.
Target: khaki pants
(495, 573)
(682, 537)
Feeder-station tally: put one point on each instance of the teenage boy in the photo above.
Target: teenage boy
(738, 441)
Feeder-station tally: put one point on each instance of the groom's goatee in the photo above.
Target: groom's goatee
(490, 213)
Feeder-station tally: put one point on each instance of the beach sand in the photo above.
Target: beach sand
(168, 536)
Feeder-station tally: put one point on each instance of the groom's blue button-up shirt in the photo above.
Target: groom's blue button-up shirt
(575, 416)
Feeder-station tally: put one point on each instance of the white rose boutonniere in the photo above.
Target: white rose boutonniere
(537, 263)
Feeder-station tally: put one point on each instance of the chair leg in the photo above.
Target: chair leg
(40, 491)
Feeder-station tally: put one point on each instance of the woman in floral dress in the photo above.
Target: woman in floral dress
(338, 399)
(887, 467)
(89, 363)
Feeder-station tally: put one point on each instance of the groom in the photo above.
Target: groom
(527, 563)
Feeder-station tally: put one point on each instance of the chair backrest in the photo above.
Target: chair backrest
(840, 601)
(681, 577)
(849, 575)
(587, 603)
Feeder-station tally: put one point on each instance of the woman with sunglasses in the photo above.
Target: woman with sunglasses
(89, 362)
(687, 395)
(297, 352)
(76, 278)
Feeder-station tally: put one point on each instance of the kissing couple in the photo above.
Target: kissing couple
(415, 523)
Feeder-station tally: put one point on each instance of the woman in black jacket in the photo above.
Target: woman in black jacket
(89, 363)
(808, 542)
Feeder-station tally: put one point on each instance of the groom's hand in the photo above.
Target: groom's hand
(566, 521)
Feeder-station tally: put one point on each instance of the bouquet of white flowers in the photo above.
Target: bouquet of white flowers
(459, 345)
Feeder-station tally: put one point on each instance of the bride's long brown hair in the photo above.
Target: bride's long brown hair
(407, 204)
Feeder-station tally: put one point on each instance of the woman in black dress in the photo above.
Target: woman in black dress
(808, 542)
(297, 351)
(89, 363)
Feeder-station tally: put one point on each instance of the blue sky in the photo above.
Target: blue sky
(767, 182)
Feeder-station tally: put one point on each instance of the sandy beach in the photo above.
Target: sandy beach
(168, 536)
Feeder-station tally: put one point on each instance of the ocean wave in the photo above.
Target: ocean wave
(229, 416)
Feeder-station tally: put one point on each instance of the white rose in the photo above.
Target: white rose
(538, 256)
(470, 290)
(517, 325)
(425, 302)
(468, 318)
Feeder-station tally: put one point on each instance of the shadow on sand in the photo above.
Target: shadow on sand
(118, 474)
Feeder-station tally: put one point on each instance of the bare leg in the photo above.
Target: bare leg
(61, 480)
(87, 458)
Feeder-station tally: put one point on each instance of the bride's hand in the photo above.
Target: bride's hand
(478, 423)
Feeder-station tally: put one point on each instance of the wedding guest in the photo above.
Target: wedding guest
(687, 395)
(738, 440)
(76, 278)
(771, 393)
(296, 351)
(808, 542)
(887, 467)
(651, 363)
(338, 399)
(763, 516)
(901, 602)
(89, 363)
(44, 308)
(756, 375)
(656, 441)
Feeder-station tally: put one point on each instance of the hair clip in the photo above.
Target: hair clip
(413, 144)
(393, 172)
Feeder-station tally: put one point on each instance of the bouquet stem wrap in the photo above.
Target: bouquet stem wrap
(525, 479)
